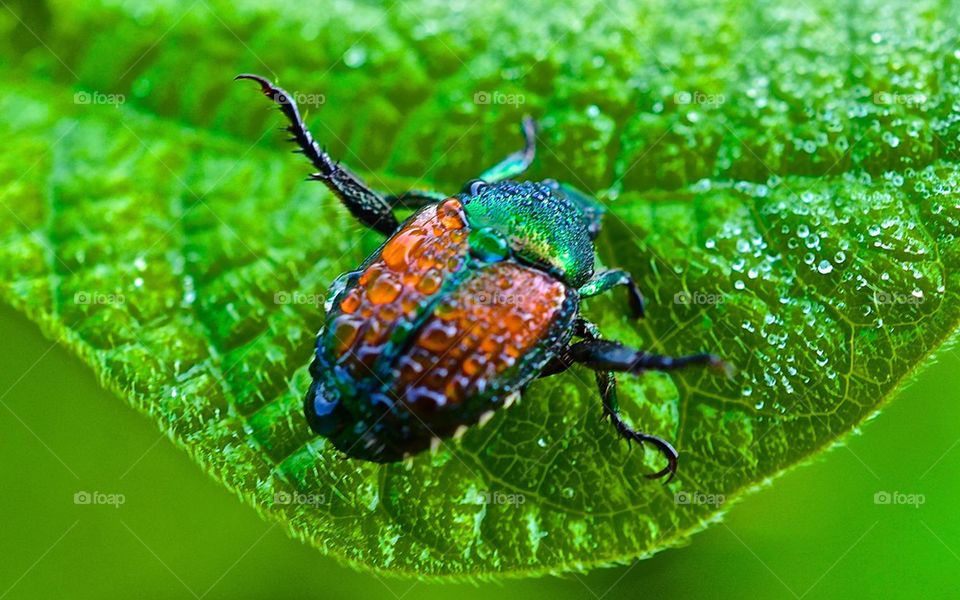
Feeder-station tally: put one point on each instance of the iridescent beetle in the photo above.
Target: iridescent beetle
(467, 302)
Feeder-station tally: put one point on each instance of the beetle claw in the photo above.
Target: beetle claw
(669, 452)
(666, 449)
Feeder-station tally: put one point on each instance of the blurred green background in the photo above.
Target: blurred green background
(817, 533)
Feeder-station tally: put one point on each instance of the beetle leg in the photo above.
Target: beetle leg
(369, 207)
(606, 358)
(607, 383)
(610, 278)
(604, 355)
(517, 162)
(416, 198)
(582, 328)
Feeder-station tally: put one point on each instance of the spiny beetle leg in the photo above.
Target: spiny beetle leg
(606, 358)
(604, 355)
(607, 383)
(369, 207)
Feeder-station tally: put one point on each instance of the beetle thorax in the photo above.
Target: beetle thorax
(538, 226)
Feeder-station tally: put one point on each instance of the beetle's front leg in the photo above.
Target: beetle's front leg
(610, 278)
(369, 207)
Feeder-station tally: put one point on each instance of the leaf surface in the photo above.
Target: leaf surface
(783, 180)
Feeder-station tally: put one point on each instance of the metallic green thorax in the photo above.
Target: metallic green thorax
(539, 225)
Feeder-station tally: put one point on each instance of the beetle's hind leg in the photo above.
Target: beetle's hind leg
(606, 358)
(607, 384)
(517, 162)
(369, 207)
(604, 355)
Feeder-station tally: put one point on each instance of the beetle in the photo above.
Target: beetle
(466, 302)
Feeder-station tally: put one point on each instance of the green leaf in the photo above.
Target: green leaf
(783, 181)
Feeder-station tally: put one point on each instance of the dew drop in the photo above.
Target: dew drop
(355, 57)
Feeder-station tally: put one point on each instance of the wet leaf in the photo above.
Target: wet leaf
(782, 179)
